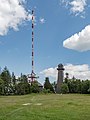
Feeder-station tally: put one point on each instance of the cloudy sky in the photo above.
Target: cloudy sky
(62, 35)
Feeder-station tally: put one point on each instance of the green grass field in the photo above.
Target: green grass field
(45, 107)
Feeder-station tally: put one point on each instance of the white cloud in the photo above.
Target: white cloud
(79, 41)
(50, 72)
(78, 71)
(42, 20)
(12, 14)
(76, 7)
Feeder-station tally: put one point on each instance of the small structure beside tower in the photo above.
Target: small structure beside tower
(60, 78)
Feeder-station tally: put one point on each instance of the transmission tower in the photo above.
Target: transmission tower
(32, 76)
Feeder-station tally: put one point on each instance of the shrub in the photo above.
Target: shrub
(64, 88)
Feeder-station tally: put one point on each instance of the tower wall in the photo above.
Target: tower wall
(60, 78)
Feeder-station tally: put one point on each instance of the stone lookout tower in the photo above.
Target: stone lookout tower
(60, 77)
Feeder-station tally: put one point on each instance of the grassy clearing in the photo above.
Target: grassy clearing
(45, 107)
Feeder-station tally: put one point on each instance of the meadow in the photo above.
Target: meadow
(45, 107)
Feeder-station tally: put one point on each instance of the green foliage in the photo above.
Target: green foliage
(78, 86)
(74, 86)
(85, 86)
(1, 87)
(23, 78)
(6, 77)
(13, 79)
(22, 89)
(64, 88)
(35, 87)
(46, 91)
(48, 85)
(10, 85)
(66, 80)
(54, 85)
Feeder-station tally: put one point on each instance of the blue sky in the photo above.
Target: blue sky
(61, 36)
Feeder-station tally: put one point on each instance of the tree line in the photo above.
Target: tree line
(69, 86)
(10, 85)
(75, 86)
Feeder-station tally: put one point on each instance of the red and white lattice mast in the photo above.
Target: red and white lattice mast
(32, 76)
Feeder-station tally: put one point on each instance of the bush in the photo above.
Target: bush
(22, 89)
(35, 87)
(46, 91)
(64, 88)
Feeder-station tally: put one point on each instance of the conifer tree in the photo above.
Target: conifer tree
(6, 77)
(47, 84)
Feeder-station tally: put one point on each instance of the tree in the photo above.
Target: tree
(85, 86)
(34, 87)
(1, 87)
(66, 78)
(79, 85)
(13, 83)
(54, 85)
(6, 77)
(47, 84)
(64, 88)
(74, 86)
(23, 78)
(22, 88)
(13, 78)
